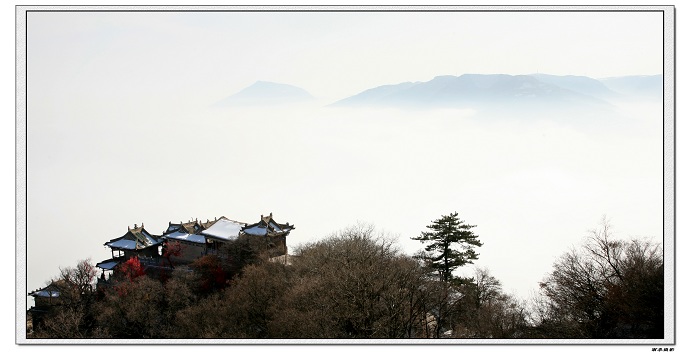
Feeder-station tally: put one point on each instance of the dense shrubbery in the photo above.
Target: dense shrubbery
(357, 284)
(607, 289)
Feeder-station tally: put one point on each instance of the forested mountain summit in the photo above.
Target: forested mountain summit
(356, 284)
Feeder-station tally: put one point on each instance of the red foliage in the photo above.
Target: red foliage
(128, 272)
(131, 269)
(211, 274)
(172, 249)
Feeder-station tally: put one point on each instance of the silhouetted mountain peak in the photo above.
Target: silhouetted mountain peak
(266, 93)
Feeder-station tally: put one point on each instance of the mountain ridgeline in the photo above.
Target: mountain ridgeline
(501, 91)
(482, 92)
(264, 93)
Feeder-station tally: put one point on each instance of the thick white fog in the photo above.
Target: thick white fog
(121, 128)
(533, 185)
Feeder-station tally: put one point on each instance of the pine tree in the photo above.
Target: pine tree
(450, 245)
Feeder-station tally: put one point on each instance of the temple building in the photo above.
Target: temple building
(44, 300)
(136, 242)
(192, 240)
(274, 232)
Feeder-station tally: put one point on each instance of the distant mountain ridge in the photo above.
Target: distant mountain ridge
(501, 91)
(475, 91)
(581, 84)
(645, 86)
(265, 93)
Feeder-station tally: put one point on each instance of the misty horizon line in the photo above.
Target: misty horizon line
(496, 85)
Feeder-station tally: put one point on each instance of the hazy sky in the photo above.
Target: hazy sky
(207, 56)
(120, 131)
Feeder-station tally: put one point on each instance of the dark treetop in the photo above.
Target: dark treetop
(449, 244)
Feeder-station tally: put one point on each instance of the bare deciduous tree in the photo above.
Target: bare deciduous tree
(607, 289)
